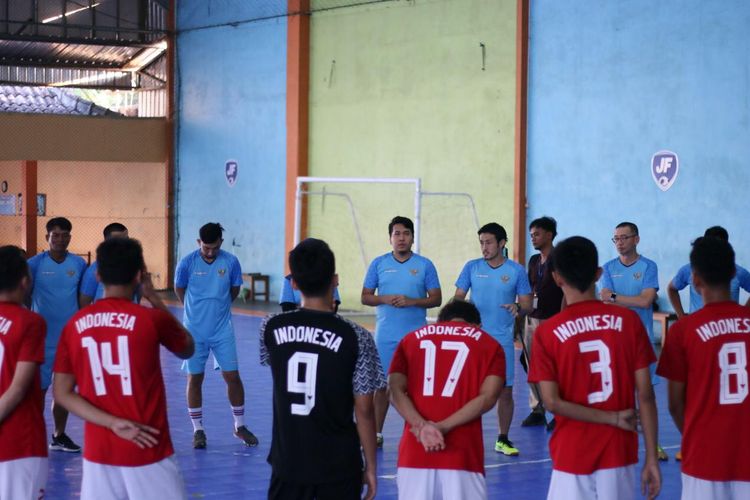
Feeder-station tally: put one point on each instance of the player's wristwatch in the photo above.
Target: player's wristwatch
(613, 297)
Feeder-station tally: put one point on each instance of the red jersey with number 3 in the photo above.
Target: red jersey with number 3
(707, 351)
(112, 349)
(592, 351)
(445, 365)
(22, 432)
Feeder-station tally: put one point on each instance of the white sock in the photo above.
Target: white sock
(196, 417)
(238, 412)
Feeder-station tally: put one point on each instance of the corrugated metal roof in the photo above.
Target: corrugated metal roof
(99, 44)
(47, 100)
(35, 53)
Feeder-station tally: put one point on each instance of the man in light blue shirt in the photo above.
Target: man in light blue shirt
(500, 289)
(632, 280)
(56, 276)
(207, 281)
(91, 289)
(407, 285)
(684, 278)
(291, 298)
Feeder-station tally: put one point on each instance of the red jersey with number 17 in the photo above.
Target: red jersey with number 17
(592, 351)
(707, 351)
(445, 365)
(22, 432)
(112, 349)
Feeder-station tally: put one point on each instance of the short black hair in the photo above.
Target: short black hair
(115, 227)
(119, 260)
(313, 265)
(545, 223)
(60, 222)
(717, 232)
(576, 260)
(495, 229)
(457, 308)
(713, 260)
(630, 225)
(404, 221)
(13, 267)
(211, 232)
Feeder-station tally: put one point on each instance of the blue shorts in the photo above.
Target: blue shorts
(224, 348)
(510, 363)
(386, 349)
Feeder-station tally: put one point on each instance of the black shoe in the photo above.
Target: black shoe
(534, 419)
(64, 443)
(246, 436)
(551, 425)
(199, 440)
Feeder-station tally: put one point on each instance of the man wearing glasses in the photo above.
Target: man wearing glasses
(631, 280)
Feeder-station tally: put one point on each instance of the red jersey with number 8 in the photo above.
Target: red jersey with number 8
(707, 351)
(445, 365)
(592, 351)
(112, 349)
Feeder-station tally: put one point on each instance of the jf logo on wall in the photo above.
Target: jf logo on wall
(231, 169)
(664, 169)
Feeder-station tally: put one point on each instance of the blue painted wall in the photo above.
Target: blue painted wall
(232, 105)
(611, 83)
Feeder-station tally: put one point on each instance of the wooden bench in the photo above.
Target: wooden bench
(253, 293)
(664, 319)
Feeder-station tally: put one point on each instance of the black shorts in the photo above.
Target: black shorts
(279, 489)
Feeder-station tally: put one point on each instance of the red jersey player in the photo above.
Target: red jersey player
(589, 361)
(23, 443)
(705, 356)
(110, 350)
(443, 377)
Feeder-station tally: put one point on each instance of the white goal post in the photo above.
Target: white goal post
(360, 180)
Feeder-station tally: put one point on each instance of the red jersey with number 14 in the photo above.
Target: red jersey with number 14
(445, 365)
(592, 351)
(112, 349)
(707, 351)
(22, 432)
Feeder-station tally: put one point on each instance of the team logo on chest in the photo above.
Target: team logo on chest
(222, 272)
(71, 273)
(414, 272)
(637, 275)
(505, 278)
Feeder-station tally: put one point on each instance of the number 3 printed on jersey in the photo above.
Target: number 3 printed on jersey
(122, 368)
(603, 367)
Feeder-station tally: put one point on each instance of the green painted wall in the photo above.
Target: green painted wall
(398, 90)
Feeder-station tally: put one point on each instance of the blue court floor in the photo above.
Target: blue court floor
(227, 469)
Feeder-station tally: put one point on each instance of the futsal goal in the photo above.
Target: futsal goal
(352, 215)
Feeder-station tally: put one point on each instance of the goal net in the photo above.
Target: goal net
(352, 215)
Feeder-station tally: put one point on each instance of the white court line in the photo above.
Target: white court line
(496, 466)
(487, 466)
(508, 464)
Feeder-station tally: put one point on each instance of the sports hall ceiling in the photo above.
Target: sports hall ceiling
(107, 44)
